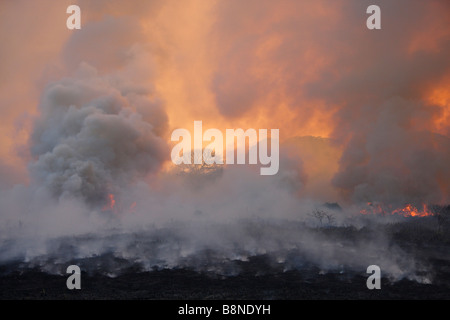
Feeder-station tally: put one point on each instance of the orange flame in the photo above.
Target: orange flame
(110, 204)
(407, 211)
(411, 211)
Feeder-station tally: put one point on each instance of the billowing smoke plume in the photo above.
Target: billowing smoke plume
(89, 141)
(372, 91)
(389, 161)
(360, 113)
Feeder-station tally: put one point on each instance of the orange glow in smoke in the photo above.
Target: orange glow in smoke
(407, 211)
(441, 97)
(110, 204)
(132, 207)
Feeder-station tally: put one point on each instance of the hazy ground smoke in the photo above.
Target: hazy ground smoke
(362, 118)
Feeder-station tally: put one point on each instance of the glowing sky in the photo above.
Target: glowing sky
(376, 102)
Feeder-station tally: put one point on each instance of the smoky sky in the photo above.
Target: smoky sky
(363, 116)
(373, 83)
(136, 71)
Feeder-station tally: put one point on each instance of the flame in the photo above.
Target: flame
(440, 97)
(411, 211)
(407, 211)
(115, 207)
(110, 204)
(373, 209)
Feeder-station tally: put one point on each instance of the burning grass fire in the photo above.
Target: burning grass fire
(407, 211)
(360, 115)
(111, 203)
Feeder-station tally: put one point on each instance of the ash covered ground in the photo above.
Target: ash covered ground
(256, 259)
(86, 139)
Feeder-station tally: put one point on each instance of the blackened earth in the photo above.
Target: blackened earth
(258, 279)
(186, 284)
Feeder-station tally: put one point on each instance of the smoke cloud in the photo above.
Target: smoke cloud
(88, 143)
(363, 116)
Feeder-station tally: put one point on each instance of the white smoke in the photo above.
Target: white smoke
(89, 142)
(100, 130)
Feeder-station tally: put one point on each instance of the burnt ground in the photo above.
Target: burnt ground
(185, 284)
(258, 279)
(180, 284)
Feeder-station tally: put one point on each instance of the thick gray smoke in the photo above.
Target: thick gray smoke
(100, 131)
(375, 85)
(88, 142)
(390, 162)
